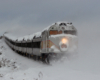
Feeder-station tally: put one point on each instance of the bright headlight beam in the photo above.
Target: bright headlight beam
(64, 40)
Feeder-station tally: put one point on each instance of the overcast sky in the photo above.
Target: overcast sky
(33, 15)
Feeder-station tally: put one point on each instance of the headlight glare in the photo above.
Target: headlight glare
(64, 40)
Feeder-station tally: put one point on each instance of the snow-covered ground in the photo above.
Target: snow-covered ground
(84, 67)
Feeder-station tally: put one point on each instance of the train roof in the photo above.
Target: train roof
(27, 37)
(38, 34)
(67, 25)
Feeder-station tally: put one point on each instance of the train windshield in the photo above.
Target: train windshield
(55, 32)
(72, 32)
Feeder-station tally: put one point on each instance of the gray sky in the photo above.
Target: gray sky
(34, 15)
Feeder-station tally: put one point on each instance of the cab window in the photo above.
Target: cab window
(72, 32)
(55, 32)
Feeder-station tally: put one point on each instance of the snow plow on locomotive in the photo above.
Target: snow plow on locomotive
(59, 38)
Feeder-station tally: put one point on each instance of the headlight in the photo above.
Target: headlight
(63, 44)
(64, 41)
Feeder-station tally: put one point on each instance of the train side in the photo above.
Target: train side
(28, 47)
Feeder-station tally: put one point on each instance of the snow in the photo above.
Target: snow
(54, 48)
(27, 37)
(84, 67)
(38, 34)
(74, 36)
(20, 38)
(57, 25)
(30, 37)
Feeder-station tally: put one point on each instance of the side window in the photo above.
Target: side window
(29, 44)
(36, 45)
(23, 45)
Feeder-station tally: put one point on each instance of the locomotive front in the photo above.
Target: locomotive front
(60, 37)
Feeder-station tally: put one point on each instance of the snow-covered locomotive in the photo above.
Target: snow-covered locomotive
(59, 38)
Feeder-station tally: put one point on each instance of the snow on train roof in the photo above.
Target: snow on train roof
(38, 34)
(57, 24)
(27, 37)
(30, 37)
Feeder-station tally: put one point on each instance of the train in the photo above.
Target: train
(58, 38)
